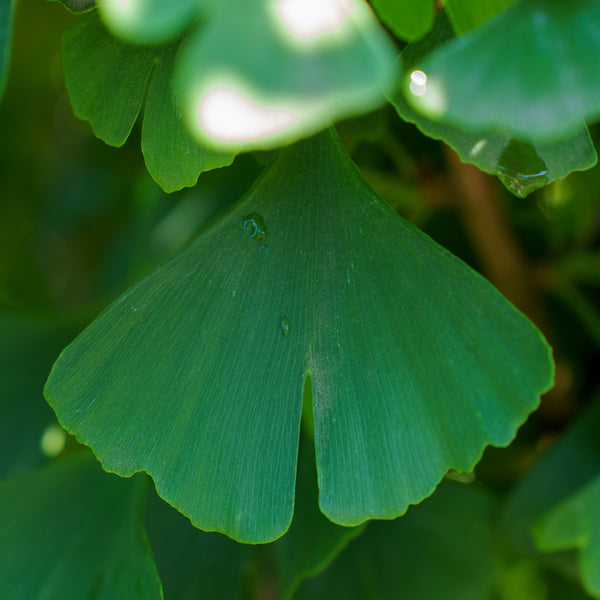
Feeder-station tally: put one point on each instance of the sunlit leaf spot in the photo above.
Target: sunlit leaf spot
(308, 18)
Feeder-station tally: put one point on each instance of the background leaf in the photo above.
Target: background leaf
(449, 536)
(77, 6)
(408, 20)
(523, 166)
(469, 14)
(107, 82)
(575, 523)
(524, 85)
(212, 349)
(6, 18)
(71, 531)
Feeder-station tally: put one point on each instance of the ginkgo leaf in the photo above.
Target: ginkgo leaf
(469, 14)
(195, 375)
(148, 21)
(107, 81)
(541, 82)
(6, 19)
(77, 6)
(259, 74)
(522, 165)
(71, 531)
(575, 523)
(449, 536)
(409, 19)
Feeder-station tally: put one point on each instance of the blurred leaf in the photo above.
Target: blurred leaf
(523, 166)
(469, 14)
(312, 541)
(581, 267)
(416, 362)
(575, 523)
(77, 6)
(107, 82)
(193, 564)
(409, 20)
(258, 76)
(6, 19)
(148, 21)
(443, 548)
(71, 531)
(540, 82)
(28, 346)
(570, 463)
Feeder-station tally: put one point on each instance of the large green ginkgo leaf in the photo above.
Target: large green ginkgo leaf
(71, 531)
(196, 374)
(108, 81)
(530, 70)
(523, 166)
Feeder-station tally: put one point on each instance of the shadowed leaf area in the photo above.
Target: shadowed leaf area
(196, 374)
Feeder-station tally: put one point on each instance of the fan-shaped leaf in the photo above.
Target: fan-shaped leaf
(260, 74)
(575, 523)
(408, 20)
(71, 531)
(541, 81)
(77, 6)
(107, 82)
(523, 166)
(195, 375)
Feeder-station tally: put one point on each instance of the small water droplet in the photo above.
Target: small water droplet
(255, 225)
(285, 326)
(521, 169)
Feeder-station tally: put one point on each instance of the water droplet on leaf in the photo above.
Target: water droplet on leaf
(285, 326)
(255, 225)
(521, 169)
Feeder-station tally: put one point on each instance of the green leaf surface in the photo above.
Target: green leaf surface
(148, 21)
(312, 541)
(409, 20)
(523, 166)
(191, 563)
(77, 6)
(569, 464)
(258, 76)
(172, 157)
(107, 82)
(196, 374)
(575, 523)
(28, 346)
(6, 19)
(443, 548)
(539, 81)
(71, 531)
(469, 14)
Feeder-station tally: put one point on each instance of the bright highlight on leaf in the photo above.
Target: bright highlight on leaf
(306, 71)
(148, 21)
(228, 115)
(541, 82)
(308, 18)
(416, 362)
